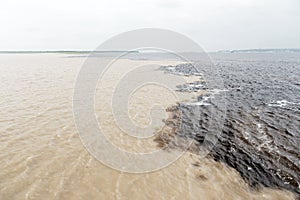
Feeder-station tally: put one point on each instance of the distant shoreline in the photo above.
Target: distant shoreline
(261, 51)
(71, 52)
(287, 50)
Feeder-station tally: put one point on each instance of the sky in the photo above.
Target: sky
(85, 24)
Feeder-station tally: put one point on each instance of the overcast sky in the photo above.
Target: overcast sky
(214, 24)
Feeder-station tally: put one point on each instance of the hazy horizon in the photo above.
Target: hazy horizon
(90, 50)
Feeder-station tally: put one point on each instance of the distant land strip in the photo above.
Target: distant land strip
(287, 50)
(71, 52)
(260, 51)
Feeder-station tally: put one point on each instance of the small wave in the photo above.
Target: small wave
(285, 104)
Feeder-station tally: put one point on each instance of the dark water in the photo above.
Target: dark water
(260, 137)
(261, 129)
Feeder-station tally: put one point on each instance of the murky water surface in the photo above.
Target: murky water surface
(42, 156)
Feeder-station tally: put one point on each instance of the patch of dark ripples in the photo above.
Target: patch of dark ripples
(261, 135)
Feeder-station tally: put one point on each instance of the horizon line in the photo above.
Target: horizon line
(134, 51)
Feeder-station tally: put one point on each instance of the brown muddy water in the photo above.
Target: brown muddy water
(42, 156)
